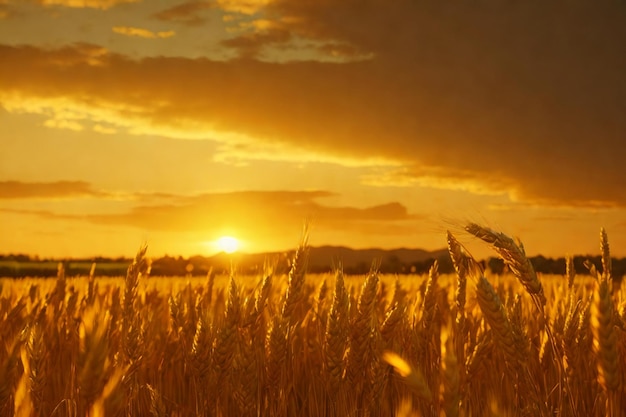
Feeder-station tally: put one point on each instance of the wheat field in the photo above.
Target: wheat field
(468, 344)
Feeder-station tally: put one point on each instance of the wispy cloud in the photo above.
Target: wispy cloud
(64, 124)
(249, 45)
(557, 218)
(94, 4)
(5, 11)
(189, 13)
(254, 209)
(143, 33)
(44, 214)
(253, 214)
(248, 7)
(47, 190)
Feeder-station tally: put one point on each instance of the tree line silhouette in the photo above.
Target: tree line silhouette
(20, 266)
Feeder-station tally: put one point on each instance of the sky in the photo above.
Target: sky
(379, 123)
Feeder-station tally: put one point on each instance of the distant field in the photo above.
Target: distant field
(50, 268)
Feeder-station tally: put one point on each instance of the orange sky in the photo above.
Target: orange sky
(384, 123)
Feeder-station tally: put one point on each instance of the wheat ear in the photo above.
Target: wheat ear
(361, 331)
(336, 329)
(514, 256)
(495, 315)
(605, 338)
(296, 280)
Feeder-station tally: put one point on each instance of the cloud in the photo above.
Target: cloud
(436, 177)
(253, 214)
(252, 209)
(247, 7)
(188, 13)
(94, 4)
(260, 38)
(5, 11)
(73, 56)
(557, 218)
(105, 130)
(43, 214)
(142, 33)
(47, 190)
(306, 22)
(343, 50)
(250, 44)
(64, 124)
(452, 95)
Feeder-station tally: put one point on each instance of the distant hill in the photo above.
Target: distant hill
(326, 258)
(320, 259)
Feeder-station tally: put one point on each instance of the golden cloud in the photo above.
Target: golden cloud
(64, 124)
(5, 12)
(188, 13)
(247, 7)
(268, 213)
(94, 4)
(142, 33)
(106, 130)
(253, 210)
(250, 44)
(46, 190)
(470, 103)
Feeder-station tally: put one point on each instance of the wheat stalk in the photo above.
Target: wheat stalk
(451, 378)
(514, 256)
(336, 330)
(226, 338)
(295, 286)
(605, 338)
(570, 272)
(495, 315)
(360, 353)
(430, 298)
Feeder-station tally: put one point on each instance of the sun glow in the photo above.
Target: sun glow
(227, 244)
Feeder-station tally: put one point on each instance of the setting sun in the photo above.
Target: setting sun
(227, 244)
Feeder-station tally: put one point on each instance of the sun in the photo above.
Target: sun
(227, 244)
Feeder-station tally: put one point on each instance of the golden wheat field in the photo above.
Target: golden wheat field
(468, 344)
